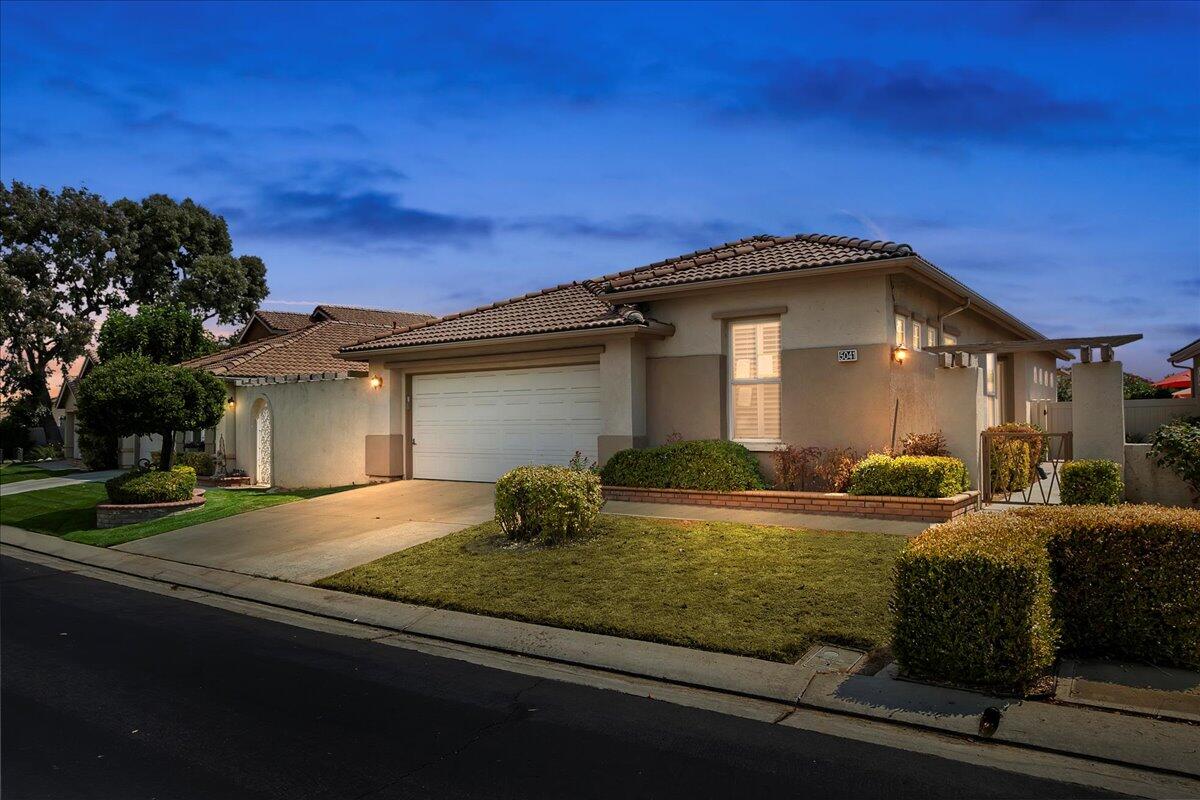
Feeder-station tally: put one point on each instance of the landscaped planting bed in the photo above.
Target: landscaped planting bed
(759, 591)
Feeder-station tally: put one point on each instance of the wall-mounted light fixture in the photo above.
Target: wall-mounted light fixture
(231, 401)
(899, 354)
(376, 381)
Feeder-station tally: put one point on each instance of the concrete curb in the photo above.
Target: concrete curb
(1139, 742)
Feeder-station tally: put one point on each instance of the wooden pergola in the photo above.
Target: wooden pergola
(1060, 347)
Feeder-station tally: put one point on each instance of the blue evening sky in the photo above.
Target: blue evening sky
(436, 157)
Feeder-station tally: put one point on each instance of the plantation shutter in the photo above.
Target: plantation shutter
(755, 379)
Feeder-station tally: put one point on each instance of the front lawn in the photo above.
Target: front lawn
(69, 511)
(11, 473)
(753, 590)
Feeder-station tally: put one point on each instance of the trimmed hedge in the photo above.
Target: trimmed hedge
(909, 476)
(988, 599)
(1092, 482)
(198, 460)
(1126, 580)
(547, 504)
(151, 486)
(972, 604)
(706, 464)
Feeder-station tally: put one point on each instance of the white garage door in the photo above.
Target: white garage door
(475, 426)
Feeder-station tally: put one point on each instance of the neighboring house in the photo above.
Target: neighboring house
(297, 413)
(764, 341)
(1189, 352)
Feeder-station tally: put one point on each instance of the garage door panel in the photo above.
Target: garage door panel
(477, 426)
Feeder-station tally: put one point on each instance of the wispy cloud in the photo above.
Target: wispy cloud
(633, 227)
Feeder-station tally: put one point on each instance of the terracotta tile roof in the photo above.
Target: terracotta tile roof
(283, 320)
(753, 256)
(369, 316)
(566, 307)
(596, 303)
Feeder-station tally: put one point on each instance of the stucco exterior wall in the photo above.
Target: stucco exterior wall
(317, 431)
(1146, 482)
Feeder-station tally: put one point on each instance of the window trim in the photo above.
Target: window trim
(731, 382)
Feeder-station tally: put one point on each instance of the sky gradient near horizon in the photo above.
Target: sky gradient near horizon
(438, 157)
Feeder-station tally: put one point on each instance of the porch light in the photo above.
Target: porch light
(231, 401)
(376, 381)
(899, 354)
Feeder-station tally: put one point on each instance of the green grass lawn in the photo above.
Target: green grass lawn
(69, 511)
(752, 590)
(11, 473)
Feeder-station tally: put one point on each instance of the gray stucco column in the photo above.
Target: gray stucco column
(622, 397)
(384, 446)
(1098, 411)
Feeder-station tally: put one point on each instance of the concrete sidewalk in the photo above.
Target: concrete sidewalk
(823, 680)
(36, 484)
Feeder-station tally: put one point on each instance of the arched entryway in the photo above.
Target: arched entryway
(263, 440)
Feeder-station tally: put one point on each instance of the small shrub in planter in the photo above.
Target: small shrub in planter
(151, 486)
(805, 469)
(704, 464)
(1015, 459)
(1176, 446)
(1091, 482)
(198, 460)
(909, 476)
(924, 444)
(547, 504)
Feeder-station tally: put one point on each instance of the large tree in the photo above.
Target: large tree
(166, 333)
(182, 252)
(58, 270)
(68, 258)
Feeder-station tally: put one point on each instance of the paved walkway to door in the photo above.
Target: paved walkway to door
(310, 539)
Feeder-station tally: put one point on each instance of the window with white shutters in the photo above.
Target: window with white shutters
(754, 348)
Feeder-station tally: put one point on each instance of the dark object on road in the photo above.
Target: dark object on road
(989, 720)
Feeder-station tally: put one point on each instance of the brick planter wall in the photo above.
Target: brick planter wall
(243, 480)
(914, 509)
(110, 515)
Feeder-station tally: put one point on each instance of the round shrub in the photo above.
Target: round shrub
(198, 460)
(705, 464)
(151, 486)
(547, 504)
(909, 476)
(1091, 482)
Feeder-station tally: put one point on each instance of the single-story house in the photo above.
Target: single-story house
(807, 339)
(297, 412)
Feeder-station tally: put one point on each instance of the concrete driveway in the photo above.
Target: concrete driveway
(51, 482)
(310, 539)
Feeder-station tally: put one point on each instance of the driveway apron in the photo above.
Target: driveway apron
(311, 539)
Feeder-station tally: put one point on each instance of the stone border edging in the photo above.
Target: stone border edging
(911, 509)
(110, 515)
(1138, 742)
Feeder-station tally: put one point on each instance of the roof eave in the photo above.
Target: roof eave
(653, 329)
(1191, 350)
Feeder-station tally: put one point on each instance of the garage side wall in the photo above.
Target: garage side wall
(318, 429)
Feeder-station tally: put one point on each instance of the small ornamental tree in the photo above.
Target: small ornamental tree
(130, 395)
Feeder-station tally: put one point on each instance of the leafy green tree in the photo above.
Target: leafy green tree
(181, 251)
(166, 333)
(131, 395)
(58, 271)
(69, 257)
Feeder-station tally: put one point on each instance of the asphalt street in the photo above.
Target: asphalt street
(112, 692)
